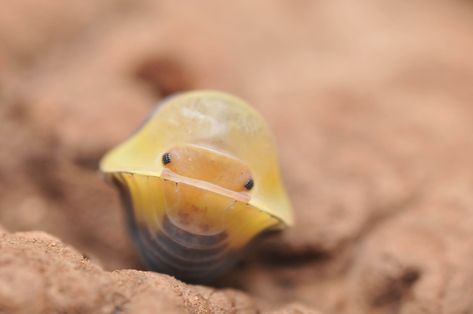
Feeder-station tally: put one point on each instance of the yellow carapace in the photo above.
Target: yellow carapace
(199, 180)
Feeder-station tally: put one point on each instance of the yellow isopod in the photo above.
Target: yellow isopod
(199, 180)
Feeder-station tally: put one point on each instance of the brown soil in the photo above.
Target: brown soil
(371, 105)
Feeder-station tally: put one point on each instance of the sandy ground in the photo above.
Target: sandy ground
(371, 105)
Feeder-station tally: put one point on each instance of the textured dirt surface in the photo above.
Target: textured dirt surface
(39, 274)
(371, 106)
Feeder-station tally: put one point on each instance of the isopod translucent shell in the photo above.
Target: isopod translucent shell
(200, 179)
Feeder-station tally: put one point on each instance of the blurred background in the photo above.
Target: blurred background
(371, 104)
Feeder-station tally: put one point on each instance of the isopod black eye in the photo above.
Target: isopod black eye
(249, 185)
(166, 158)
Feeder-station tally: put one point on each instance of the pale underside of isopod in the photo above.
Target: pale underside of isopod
(185, 231)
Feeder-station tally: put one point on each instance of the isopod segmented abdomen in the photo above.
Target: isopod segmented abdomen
(179, 256)
(163, 243)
